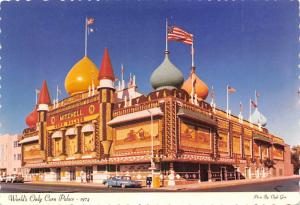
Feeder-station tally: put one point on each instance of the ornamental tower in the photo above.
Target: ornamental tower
(106, 92)
(43, 107)
(166, 75)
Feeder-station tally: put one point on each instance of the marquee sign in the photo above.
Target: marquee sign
(73, 116)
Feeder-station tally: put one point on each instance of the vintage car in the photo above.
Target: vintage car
(14, 178)
(122, 181)
(2, 178)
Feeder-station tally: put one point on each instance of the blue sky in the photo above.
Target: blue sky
(250, 45)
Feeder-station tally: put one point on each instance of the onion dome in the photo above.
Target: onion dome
(82, 75)
(166, 75)
(201, 89)
(32, 119)
(106, 70)
(258, 118)
(44, 96)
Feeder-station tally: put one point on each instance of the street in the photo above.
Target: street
(285, 185)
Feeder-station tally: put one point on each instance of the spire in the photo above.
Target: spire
(44, 97)
(106, 70)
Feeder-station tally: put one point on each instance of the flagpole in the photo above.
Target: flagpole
(193, 64)
(57, 93)
(227, 101)
(85, 38)
(212, 95)
(122, 72)
(250, 111)
(36, 96)
(255, 97)
(166, 34)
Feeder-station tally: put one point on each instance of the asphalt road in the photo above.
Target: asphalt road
(287, 185)
(52, 188)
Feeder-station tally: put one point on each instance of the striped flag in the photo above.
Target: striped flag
(231, 89)
(177, 34)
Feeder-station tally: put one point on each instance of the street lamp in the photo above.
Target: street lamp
(152, 167)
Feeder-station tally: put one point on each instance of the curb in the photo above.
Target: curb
(198, 186)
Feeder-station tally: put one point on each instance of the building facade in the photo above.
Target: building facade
(171, 133)
(10, 155)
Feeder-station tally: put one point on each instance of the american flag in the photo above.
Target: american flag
(90, 21)
(177, 34)
(231, 89)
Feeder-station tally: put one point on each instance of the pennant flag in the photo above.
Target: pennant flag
(257, 94)
(231, 89)
(177, 34)
(253, 104)
(241, 107)
(90, 21)
(298, 91)
(91, 30)
(212, 94)
(122, 69)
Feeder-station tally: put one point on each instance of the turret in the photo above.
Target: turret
(43, 107)
(106, 92)
(106, 75)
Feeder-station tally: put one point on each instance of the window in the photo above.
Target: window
(101, 168)
(19, 156)
(16, 144)
(15, 157)
(15, 169)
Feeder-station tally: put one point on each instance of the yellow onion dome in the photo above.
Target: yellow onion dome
(82, 75)
(201, 88)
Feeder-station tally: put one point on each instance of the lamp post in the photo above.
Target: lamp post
(152, 167)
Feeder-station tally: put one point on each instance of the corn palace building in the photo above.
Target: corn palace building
(172, 133)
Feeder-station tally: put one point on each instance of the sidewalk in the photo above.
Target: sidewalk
(220, 184)
(68, 184)
(198, 186)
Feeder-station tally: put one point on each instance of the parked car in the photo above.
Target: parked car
(14, 178)
(122, 181)
(2, 178)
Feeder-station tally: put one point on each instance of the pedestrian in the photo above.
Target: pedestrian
(81, 176)
(148, 181)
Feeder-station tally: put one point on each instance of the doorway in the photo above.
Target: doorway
(72, 174)
(58, 174)
(223, 173)
(89, 174)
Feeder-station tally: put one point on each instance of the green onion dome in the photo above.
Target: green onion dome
(258, 118)
(166, 75)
